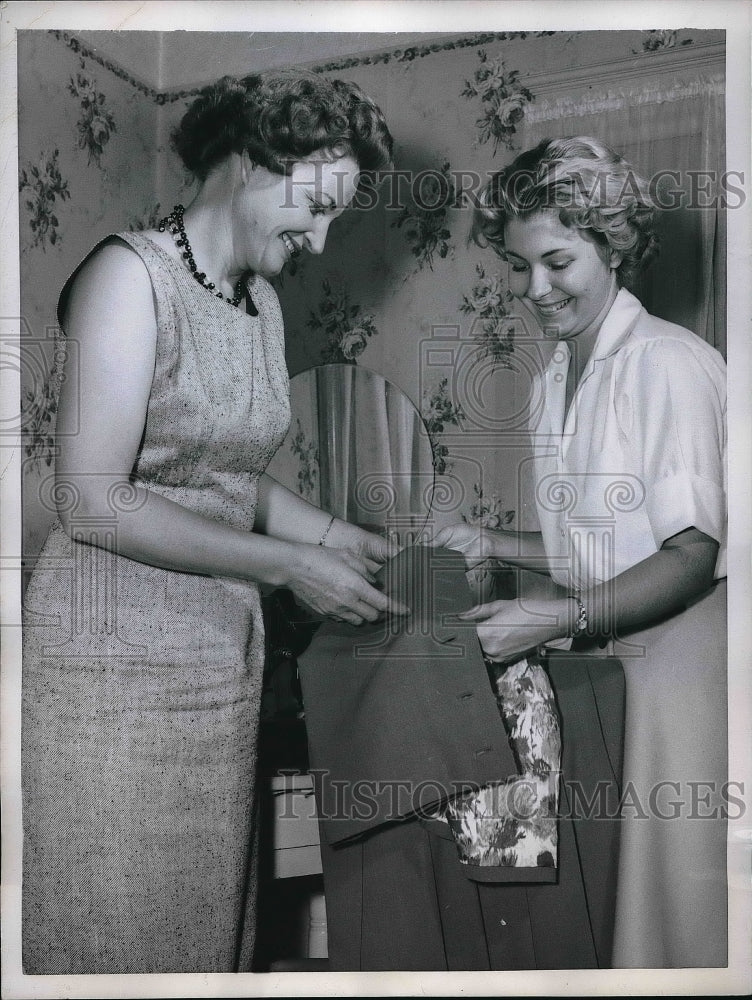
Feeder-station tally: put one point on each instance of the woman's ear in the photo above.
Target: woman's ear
(247, 166)
(615, 259)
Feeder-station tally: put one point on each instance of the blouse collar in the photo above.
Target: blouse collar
(618, 324)
(616, 327)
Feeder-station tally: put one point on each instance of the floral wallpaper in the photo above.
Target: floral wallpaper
(81, 130)
(400, 288)
(439, 411)
(41, 185)
(96, 123)
(425, 218)
(345, 331)
(503, 100)
(489, 304)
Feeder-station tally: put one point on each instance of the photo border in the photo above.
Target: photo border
(389, 16)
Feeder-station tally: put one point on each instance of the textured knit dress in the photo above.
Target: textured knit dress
(141, 686)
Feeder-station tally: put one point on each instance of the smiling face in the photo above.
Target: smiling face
(276, 217)
(563, 277)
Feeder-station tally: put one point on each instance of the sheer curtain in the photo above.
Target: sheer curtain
(678, 127)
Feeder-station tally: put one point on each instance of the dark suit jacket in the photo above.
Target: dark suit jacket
(399, 713)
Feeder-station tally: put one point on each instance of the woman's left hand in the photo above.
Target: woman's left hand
(373, 549)
(507, 630)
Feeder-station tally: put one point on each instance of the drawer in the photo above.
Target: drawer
(295, 829)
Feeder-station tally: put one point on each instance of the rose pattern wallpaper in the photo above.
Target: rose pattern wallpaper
(96, 123)
(488, 303)
(503, 100)
(425, 218)
(41, 184)
(346, 332)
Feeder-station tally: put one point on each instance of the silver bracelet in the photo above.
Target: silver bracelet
(326, 531)
(582, 624)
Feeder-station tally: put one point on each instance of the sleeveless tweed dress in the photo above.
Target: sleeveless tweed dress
(141, 686)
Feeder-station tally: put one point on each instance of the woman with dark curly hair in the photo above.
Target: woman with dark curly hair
(628, 418)
(144, 643)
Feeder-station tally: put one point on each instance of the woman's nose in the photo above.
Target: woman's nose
(316, 236)
(539, 285)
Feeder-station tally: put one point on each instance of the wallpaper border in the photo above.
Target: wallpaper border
(682, 56)
(370, 59)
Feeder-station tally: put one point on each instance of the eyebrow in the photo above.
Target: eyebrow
(548, 253)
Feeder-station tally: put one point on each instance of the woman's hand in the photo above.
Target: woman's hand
(513, 548)
(371, 548)
(474, 542)
(338, 584)
(507, 630)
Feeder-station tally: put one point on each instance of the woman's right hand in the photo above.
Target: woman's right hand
(338, 584)
(475, 542)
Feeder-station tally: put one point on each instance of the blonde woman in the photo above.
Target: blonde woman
(630, 491)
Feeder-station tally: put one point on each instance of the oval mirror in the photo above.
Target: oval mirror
(358, 447)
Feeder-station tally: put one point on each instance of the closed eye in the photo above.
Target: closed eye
(521, 268)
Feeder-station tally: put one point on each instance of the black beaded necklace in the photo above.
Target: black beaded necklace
(175, 221)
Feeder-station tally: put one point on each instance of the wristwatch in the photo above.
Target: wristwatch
(581, 624)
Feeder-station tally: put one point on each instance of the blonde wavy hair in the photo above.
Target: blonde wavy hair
(590, 185)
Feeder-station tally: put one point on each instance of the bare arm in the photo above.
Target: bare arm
(657, 587)
(283, 514)
(101, 417)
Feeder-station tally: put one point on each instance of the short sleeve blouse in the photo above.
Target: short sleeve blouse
(641, 454)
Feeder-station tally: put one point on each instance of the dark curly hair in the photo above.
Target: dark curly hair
(590, 185)
(280, 117)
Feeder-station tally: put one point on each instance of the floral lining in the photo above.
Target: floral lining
(512, 823)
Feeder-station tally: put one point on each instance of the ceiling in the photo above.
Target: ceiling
(171, 60)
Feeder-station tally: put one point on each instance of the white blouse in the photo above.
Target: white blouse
(641, 454)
